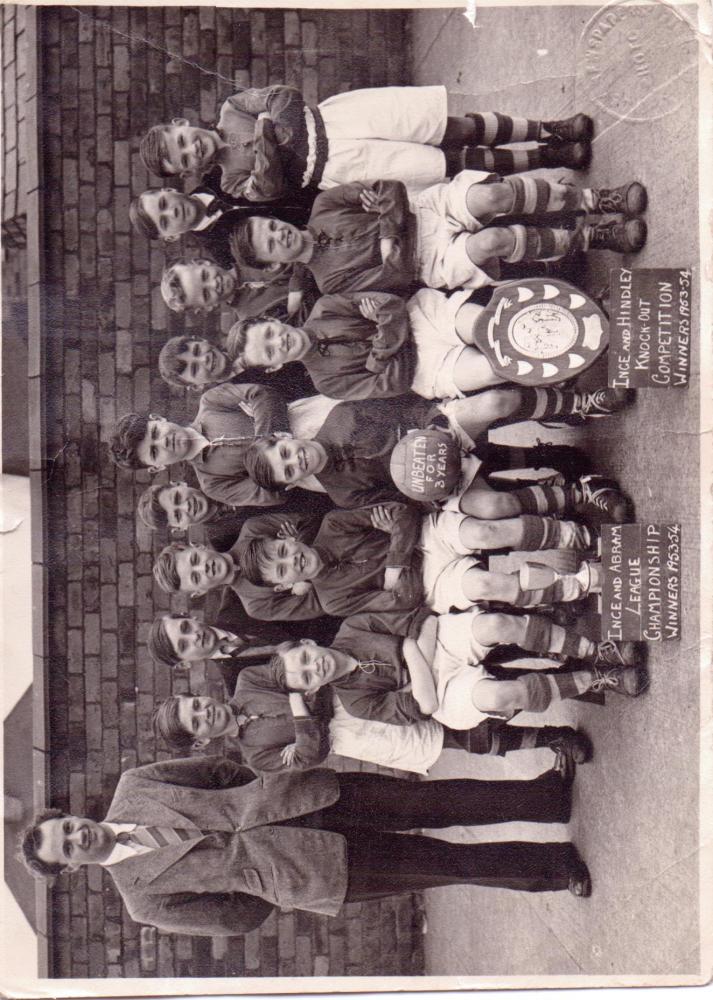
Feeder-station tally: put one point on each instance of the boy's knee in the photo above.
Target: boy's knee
(489, 244)
(494, 696)
(477, 534)
(477, 585)
(487, 506)
(489, 630)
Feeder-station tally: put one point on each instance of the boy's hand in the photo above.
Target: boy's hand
(369, 201)
(369, 309)
(298, 706)
(383, 518)
(294, 301)
(287, 530)
(288, 754)
(392, 575)
(390, 249)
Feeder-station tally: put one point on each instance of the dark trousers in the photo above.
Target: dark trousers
(386, 864)
(382, 863)
(377, 802)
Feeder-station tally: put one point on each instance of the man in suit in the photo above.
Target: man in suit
(202, 846)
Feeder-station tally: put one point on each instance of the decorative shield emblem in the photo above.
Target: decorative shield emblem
(539, 331)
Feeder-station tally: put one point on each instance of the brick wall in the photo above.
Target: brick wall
(108, 73)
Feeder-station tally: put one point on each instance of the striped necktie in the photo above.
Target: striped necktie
(157, 836)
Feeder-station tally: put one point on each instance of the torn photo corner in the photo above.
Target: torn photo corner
(356, 497)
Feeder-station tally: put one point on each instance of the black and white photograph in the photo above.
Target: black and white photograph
(356, 508)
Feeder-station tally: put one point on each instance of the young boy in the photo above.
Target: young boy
(268, 142)
(371, 237)
(396, 670)
(199, 285)
(177, 640)
(375, 345)
(278, 731)
(232, 642)
(390, 557)
(167, 214)
(229, 418)
(350, 454)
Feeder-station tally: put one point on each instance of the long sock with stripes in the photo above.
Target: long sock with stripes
(534, 196)
(501, 161)
(547, 533)
(539, 242)
(493, 129)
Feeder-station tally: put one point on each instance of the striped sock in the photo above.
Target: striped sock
(539, 691)
(547, 533)
(501, 161)
(494, 129)
(540, 498)
(538, 243)
(534, 196)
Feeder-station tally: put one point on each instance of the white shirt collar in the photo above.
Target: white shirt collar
(120, 852)
(208, 220)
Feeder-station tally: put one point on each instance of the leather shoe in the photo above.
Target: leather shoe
(580, 885)
(576, 744)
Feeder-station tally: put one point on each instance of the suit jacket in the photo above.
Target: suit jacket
(228, 881)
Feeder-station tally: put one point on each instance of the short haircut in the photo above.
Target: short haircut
(150, 510)
(170, 366)
(241, 244)
(129, 433)
(141, 220)
(159, 645)
(30, 842)
(277, 666)
(253, 561)
(172, 289)
(237, 337)
(257, 466)
(167, 725)
(153, 152)
(164, 569)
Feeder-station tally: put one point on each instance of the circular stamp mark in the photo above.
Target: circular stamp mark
(631, 57)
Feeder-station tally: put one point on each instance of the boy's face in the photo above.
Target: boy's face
(165, 443)
(74, 840)
(288, 561)
(204, 718)
(183, 505)
(308, 666)
(201, 568)
(292, 459)
(272, 344)
(191, 639)
(202, 285)
(203, 362)
(172, 212)
(275, 242)
(188, 149)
